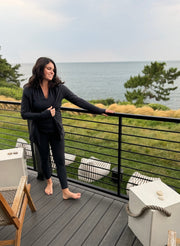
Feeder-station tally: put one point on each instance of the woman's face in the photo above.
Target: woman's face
(49, 71)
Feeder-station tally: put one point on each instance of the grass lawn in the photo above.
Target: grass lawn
(150, 147)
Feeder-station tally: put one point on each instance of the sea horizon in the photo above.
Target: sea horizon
(102, 80)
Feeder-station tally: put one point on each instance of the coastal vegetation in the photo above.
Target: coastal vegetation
(155, 83)
(10, 79)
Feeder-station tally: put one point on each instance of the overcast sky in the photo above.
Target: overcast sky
(90, 30)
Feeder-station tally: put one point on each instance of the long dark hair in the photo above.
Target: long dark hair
(38, 73)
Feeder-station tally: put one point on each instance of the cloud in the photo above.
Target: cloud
(167, 16)
(91, 29)
(35, 13)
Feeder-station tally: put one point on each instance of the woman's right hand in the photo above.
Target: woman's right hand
(52, 110)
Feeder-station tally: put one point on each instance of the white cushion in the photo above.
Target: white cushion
(21, 143)
(93, 169)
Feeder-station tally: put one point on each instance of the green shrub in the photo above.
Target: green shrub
(3, 83)
(14, 92)
(106, 102)
(157, 106)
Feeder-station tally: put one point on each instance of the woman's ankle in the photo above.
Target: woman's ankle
(49, 187)
(49, 181)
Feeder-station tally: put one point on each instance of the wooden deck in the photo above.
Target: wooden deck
(95, 219)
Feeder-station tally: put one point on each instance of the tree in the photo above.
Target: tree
(156, 83)
(9, 74)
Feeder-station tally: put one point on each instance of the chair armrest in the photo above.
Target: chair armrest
(19, 196)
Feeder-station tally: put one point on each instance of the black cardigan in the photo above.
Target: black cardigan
(60, 92)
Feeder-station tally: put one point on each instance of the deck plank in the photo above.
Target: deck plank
(116, 229)
(127, 238)
(63, 214)
(86, 229)
(104, 224)
(137, 243)
(71, 228)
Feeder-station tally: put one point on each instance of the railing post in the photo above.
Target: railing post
(119, 156)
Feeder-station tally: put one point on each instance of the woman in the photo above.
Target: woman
(41, 102)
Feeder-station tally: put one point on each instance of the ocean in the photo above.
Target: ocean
(102, 80)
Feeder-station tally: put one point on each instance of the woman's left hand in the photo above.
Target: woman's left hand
(52, 110)
(108, 111)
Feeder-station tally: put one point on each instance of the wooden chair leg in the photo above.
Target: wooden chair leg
(27, 200)
(30, 201)
(18, 236)
(21, 219)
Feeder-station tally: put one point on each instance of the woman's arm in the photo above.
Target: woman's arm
(70, 96)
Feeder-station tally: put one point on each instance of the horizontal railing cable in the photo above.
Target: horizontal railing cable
(152, 156)
(102, 182)
(12, 135)
(112, 163)
(89, 151)
(7, 145)
(151, 129)
(12, 123)
(92, 121)
(82, 135)
(151, 147)
(139, 136)
(86, 164)
(86, 128)
(9, 140)
(95, 145)
(10, 102)
(149, 172)
(9, 116)
(149, 164)
(13, 129)
(91, 172)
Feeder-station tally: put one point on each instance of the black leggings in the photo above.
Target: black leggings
(57, 147)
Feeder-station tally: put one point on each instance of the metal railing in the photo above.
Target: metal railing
(106, 153)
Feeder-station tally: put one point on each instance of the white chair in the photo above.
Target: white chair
(93, 169)
(138, 179)
(12, 166)
(21, 143)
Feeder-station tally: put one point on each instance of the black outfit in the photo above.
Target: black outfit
(45, 129)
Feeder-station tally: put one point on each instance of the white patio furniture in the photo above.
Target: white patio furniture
(93, 169)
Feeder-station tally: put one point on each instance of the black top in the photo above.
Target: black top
(34, 107)
(40, 103)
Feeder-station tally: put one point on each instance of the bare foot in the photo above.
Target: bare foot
(67, 194)
(49, 187)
